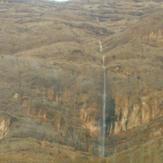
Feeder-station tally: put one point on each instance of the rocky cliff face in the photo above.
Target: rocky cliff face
(4, 126)
(51, 80)
(142, 111)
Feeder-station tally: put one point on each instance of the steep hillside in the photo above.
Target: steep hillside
(51, 81)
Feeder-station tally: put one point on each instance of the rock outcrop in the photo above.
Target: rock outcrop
(4, 126)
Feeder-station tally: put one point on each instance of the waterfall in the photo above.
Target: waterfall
(103, 125)
(103, 109)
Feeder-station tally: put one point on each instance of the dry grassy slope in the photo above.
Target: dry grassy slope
(134, 60)
(51, 87)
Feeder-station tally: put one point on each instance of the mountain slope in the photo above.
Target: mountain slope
(51, 81)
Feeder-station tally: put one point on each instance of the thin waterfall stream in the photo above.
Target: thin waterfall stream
(103, 125)
(103, 108)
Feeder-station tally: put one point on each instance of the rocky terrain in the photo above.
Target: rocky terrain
(51, 81)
